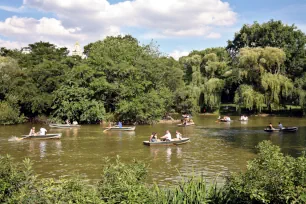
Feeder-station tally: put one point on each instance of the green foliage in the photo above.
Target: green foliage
(144, 108)
(212, 92)
(273, 34)
(207, 70)
(76, 103)
(190, 190)
(186, 99)
(124, 183)
(138, 83)
(10, 114)
(14, 178)
(270, 178)
(260, 72)
(276, 86)
(245, 96)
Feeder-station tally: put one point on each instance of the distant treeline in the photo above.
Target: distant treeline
(270, 178)
(263, 67)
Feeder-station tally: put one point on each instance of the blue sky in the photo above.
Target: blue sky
(177, 26)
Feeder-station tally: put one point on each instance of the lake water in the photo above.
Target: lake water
(215, 148)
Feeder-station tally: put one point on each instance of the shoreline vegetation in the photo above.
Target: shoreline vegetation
(261, 70)
(271, 177)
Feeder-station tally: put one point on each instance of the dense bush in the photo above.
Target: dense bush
(124, 183)
(270, 178)
(9, 114)
(190, 190)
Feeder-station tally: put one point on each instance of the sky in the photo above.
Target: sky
(176, 26)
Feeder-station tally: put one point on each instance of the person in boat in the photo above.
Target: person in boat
(178, 135)
(167, 136)
(32, 131)
(120, 124)
(226, 118)
(42, 131)
(68, 122)
(271, 127)
(153, 137)
(185, 122)
(280, 126)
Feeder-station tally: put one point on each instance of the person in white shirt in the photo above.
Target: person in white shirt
(280, 126)
(178, 135)
(42, 131)
(167, 136)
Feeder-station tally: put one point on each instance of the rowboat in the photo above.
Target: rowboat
(63, 125)
(187, 124)
(287, 129)
(172, 142)
(224, 120)
(47, 136)
(121, 128)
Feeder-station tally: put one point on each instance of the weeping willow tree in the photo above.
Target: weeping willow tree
(211, 93)
(263, 82)
(187, 99)
(275, 87)
(247, 97)
(206, 71)
(192, 68)
(299, 92)
(254, 62)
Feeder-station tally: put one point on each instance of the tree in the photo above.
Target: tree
(207, 70)
(274, 34)
(260, 72)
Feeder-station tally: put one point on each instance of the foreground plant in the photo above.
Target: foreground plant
(270, 178)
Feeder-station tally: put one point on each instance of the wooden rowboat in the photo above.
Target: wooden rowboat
(187, 124)
(172, 142)
(63, 125)
(224, 120)
(287, 129)
(47, 136)
(121, 128)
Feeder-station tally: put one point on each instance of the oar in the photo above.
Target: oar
(107, 129)
(23, 138)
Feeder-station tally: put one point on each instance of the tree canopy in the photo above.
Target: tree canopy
(261, 68)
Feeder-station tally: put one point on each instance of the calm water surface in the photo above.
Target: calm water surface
(215, 148)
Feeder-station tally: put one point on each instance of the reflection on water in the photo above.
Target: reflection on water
(215, 148)
(169, 153)
(42, 148)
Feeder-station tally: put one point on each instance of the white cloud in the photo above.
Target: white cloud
(29, 30)
(11, 44)
(90, 20)
(213, 35)
(165, 18)
(176, 54)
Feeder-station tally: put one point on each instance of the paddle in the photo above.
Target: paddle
(107, 129)
(23, 138)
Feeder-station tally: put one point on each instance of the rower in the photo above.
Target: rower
(280, 126)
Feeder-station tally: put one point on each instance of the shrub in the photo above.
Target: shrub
(190, 190)
(270, 178)
(124, 183)
(9, 114)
